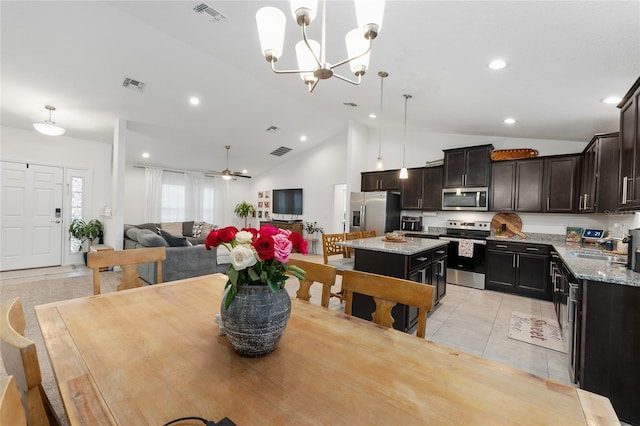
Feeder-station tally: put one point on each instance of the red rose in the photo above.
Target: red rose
(268, 231)
(213, 239)
(299, 243)
(264, 247)
(226, 235)
(253, 231)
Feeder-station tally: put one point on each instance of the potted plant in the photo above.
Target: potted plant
(255, 307)
(243, 210)
(86, 231)
(311, 228)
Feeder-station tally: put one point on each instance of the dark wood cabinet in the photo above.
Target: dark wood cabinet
(560, 183)
(423, 189)
(610, 344)
(600, 164)
(629, 177)
(467, 167)
(388, 180)
(519, 268)
(544, 184)
(517, 186)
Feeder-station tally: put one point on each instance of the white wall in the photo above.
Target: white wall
(316, 172)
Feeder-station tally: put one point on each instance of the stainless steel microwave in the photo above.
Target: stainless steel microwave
(465, 199)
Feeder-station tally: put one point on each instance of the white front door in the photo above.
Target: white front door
(31, 216)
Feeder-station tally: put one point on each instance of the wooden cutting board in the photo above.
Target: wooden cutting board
(512, 222)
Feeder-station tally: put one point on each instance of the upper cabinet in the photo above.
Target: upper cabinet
(467, 167)
(629, 177)
(600, 165)
(388, 180)
(423, 189)
(544, 184)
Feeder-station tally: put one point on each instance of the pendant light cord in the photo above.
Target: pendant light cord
(380, 114)
(404, 136)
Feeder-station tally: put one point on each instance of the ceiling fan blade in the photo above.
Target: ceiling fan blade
(240, 174)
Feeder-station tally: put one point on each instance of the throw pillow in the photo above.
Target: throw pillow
(149, 239)
(187, 228)
(206, 228)
(149, 226)
(174, 228)
(132, 233)
(173, 240)
(197, 229)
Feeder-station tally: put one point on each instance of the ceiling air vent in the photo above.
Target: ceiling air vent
(281, 151)
(272, 129)
(133, 84)
(215, 15)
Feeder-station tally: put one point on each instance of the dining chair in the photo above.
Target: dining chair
(330, 250)
(315, 272)
(128, 260)
(348, 251)
(11, 409)
(369, 234)
(20, 359)
(386, 292)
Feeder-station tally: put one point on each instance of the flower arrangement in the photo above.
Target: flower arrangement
(312, 227)
(258, 257)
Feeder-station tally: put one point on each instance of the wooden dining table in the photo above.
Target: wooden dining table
(149, 355)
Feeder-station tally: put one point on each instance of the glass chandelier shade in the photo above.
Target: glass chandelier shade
(271, 28)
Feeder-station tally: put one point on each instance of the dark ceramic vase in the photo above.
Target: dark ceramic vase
(256, 319)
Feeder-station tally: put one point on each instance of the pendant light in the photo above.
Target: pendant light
(404, 173)
(49, 127)
(379, 164)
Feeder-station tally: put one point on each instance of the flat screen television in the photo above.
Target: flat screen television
(287, 201)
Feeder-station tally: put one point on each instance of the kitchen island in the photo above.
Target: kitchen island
(416, 259)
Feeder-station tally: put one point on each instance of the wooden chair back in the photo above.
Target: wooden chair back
(11, 409)
(128, 260)
(349, 252)
(318, 273)
(369, 234)
(386, 292)
(20, 359)
(329, 246)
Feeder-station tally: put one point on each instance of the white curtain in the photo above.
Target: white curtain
(194, 194)
(220, 191)
(152, 194)
(173, 199)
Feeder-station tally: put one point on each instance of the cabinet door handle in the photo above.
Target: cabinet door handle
(513, 261)
(533, 249)
(500, 246)
(422, 259)
(441, 268)
(517, 261)
(580, 203)
(548, 203)
(625, 181)
(441, 252)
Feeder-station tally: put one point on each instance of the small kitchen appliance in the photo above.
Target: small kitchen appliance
(411, 223)
(633, 254)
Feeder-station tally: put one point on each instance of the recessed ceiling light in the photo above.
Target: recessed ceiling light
(372, 115)
(612, 100)
(303, 138)
(497, 64)
(145, 155)
(509, 120)
(194, 101)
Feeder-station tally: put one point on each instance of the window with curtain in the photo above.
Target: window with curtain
(182, 196)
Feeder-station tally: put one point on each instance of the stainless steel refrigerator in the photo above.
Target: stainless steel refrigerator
(378, 210)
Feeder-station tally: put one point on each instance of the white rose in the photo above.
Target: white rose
(242, 256)
(244, 237)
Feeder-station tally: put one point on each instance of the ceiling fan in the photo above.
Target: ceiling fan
(226, 173)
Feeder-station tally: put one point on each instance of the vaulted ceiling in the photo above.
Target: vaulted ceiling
(564, 57)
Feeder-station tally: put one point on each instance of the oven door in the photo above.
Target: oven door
(463, 270)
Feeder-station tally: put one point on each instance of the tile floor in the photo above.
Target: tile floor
(477, 321)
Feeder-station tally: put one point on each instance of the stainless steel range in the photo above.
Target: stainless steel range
(466, 259)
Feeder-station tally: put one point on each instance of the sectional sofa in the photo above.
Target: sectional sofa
(186, 254)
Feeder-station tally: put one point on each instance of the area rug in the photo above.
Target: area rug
(543, 332)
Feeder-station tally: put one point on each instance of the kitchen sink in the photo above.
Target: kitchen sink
(613, 258)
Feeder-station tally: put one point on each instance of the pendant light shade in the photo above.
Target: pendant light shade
(49, 127)
(404, 173)
(271, 24)
(379, 163)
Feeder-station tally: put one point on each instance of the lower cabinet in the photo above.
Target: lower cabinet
(519, 268)
(429, 267)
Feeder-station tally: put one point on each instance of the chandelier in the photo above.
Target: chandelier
(311, 55)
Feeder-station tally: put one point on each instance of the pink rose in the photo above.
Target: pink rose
(281, 248)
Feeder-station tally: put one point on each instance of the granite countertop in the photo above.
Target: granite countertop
(411, 246)
(582, 268)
